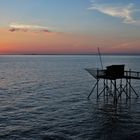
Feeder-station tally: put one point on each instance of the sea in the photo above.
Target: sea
(44, 97)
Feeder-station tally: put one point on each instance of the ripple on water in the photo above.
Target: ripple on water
(45, 98)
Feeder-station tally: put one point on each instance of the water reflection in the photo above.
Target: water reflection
(116, 121)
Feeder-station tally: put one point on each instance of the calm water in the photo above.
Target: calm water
(45, 98)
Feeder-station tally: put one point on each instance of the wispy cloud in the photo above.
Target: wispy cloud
(13, 27)
(125, 12)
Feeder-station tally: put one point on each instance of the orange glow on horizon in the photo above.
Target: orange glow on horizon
(61, 43)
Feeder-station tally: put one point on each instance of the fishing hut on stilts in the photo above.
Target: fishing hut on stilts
(115, 81)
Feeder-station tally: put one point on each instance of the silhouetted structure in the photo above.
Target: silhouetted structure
(116, 81)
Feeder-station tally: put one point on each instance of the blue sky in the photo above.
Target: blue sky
(69, 15)
(110, 18)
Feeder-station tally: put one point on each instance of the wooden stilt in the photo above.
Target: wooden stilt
(104, 88)
(97, 88)
(115, 92)
(97, 83)
(130, 83)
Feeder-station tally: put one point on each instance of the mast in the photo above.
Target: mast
(100, 57)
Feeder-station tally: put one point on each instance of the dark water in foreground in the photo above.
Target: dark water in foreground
(45, 98)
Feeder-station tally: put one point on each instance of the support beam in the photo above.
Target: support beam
(93, 88)
(133, 89)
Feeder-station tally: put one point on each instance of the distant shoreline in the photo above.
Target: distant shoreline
(72, 54)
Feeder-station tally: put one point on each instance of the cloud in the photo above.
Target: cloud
(125, 12)
(27, 28)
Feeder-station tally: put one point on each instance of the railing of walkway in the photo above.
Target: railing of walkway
(132, 74)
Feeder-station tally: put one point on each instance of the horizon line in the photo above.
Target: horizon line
(72, 54)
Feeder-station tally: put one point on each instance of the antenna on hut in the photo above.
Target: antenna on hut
(100, 58)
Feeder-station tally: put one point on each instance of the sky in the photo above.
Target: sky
(69, 26)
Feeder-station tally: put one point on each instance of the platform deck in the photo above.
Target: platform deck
(96, 73)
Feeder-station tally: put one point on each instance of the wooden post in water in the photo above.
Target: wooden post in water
(97, 83)
(115, 91)
(130, 83)
(121, 88)
(104, 89)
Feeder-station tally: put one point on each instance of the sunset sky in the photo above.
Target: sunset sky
(69, 26)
